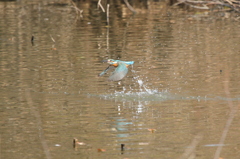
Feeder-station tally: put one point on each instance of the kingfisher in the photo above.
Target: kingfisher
(121, 69)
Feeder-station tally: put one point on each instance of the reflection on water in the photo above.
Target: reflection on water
(183, 84)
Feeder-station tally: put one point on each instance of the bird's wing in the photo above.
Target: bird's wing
(105, 71)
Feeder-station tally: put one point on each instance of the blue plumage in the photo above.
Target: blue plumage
(121, 69)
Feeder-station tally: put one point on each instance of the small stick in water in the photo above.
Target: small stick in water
(32, 40)
(52, 38)
(122, 147)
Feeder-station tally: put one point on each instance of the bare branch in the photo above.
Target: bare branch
(229, 2)
(99, 4)
(129, 6)
(198, 7)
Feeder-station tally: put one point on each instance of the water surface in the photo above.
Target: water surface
(179, 100)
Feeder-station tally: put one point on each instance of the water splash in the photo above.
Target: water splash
(142, 86)
(143, 93)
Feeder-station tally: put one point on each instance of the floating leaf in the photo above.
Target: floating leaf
(152, 130)
(101, 150)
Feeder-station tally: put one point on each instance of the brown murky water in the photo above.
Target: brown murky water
(179, 100)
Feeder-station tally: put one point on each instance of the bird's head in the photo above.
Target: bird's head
(112, 62)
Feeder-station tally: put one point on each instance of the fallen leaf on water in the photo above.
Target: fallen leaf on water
(152, 130)
(101, 150)
(178, 119)
(11, 39)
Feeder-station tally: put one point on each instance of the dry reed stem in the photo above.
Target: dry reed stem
(108, 5)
